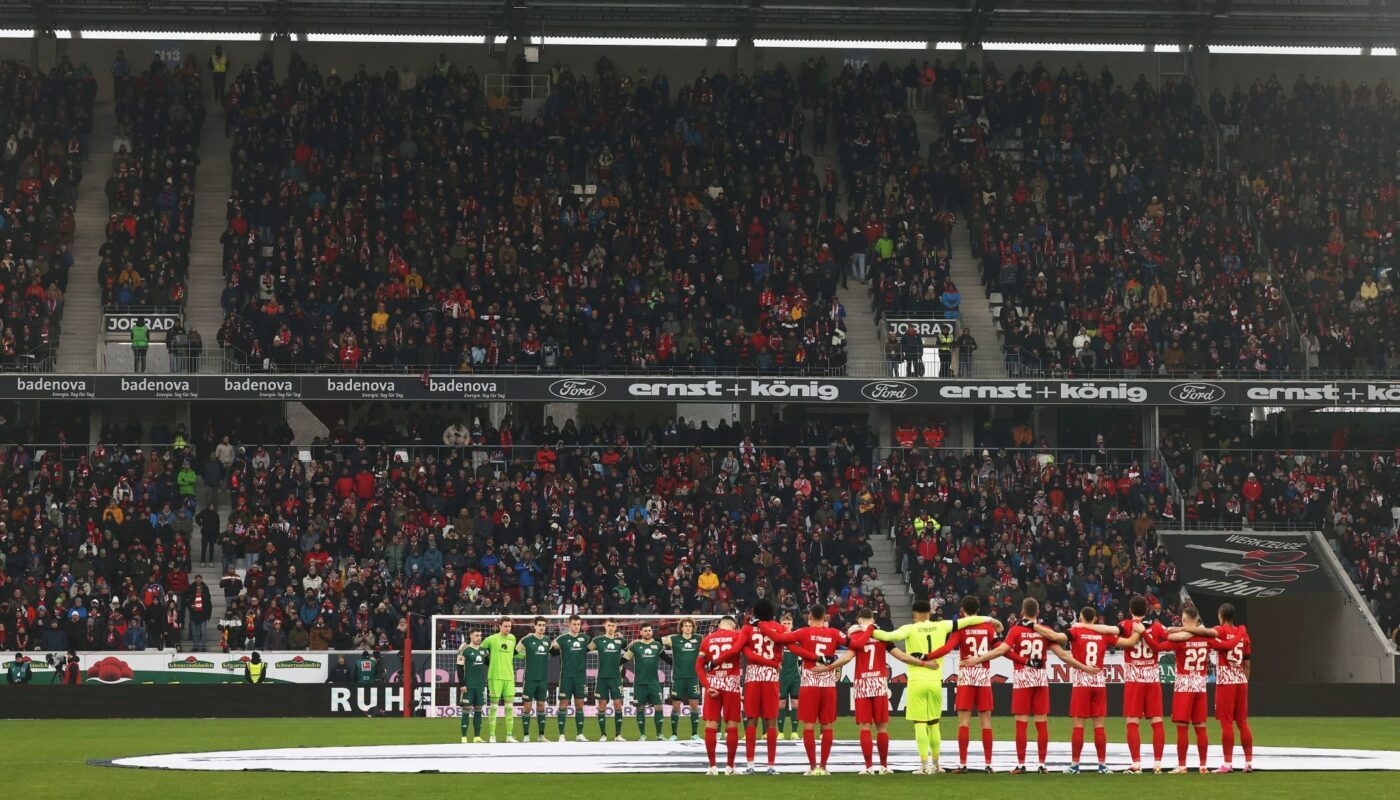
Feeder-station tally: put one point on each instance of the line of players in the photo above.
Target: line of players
(743, 676)
(1026, 644)
(486, 671)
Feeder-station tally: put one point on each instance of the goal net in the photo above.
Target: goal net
(450, 632)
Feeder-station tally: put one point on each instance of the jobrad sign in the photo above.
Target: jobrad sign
(563, 388)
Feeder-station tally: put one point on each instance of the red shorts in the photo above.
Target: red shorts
(1189, 708)
(972, 698)
(761, 700)
(725, 704)
(1088, 702)
(1142, 700)
(816, 704)
(1232, 702)
(872, 710)
(1030, 701)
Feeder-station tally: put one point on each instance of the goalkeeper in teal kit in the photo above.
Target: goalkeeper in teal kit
(500, 679)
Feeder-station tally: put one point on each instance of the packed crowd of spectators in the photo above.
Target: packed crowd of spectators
(402, 221)
(338, 550)
(155, 158)
(1347, 484)
(45, 119)
(1070, 528)
(1320, 166)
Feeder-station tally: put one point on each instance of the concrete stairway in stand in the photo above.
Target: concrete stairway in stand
(206, 280)
(82, 302)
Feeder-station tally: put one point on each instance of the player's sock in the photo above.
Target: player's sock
(782, 720)
(1183, 743)
(525, 721)
(466, 720)
(964, 736)
(772, 735)
(641, 721)
(987, 745)
(1202, 744)
(750, 741)
(921, 740)
(867, 748)
(1042, 740)
(1076, 745)
(882, 743)
(491, 723)
(1020, 741)
(694, 722)
(711, 743)
(809, 741)
(656, 721)
(603, 722)
(1101, 744)
(675, 722)
(828, 735)
(1159, 741)
(1227, 741)
(562, 715)
(1134, 743)
(731, 743)
(617, 722)
(1247, 742)
(578, 721)
(476, 722)
(510, 721)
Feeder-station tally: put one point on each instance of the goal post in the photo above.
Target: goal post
(450, 631)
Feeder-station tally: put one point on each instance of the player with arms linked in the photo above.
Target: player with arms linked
(1088, 700)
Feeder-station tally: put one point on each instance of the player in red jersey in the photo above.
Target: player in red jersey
(762, 658)
(1232, 689)
(1088, 700)
(816, 699)
(1142, 684)
(1193, 648)
(974, 692)
(871, 688)
(1030, 693)
(717, 668)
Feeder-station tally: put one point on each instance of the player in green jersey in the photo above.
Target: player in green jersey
(685, 686)
(573, 675)
(645, 654)
(924, 692)
(500, 679)
(471, 675)
(789, 683)
(535, 648)
(609, 648)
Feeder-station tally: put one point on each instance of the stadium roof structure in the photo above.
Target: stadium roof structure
(1363, 23)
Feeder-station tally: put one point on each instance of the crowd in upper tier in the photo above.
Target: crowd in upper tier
(45, 119)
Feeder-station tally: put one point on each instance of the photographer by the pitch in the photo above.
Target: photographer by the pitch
(19, 670)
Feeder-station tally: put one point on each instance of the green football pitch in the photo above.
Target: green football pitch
(48, 758)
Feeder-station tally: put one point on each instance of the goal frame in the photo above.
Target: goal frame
(592, 622)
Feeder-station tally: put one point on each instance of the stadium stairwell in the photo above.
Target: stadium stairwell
(864, 342)
(82, 313)
(206, 281)
(977, 314)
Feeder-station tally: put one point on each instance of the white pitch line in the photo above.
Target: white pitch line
(680, 757)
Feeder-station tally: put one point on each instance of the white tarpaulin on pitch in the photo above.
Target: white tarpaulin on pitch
(633, 757)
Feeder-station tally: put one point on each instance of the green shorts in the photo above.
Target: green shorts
(572, 688)
(535, 690)
(474, 696)
(646, 695)
(925, 702)
(683, 689)
(500, 689)
(608, 689)
(788, 689)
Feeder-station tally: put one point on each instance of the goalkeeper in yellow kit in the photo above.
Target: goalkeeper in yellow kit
(924, 704)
